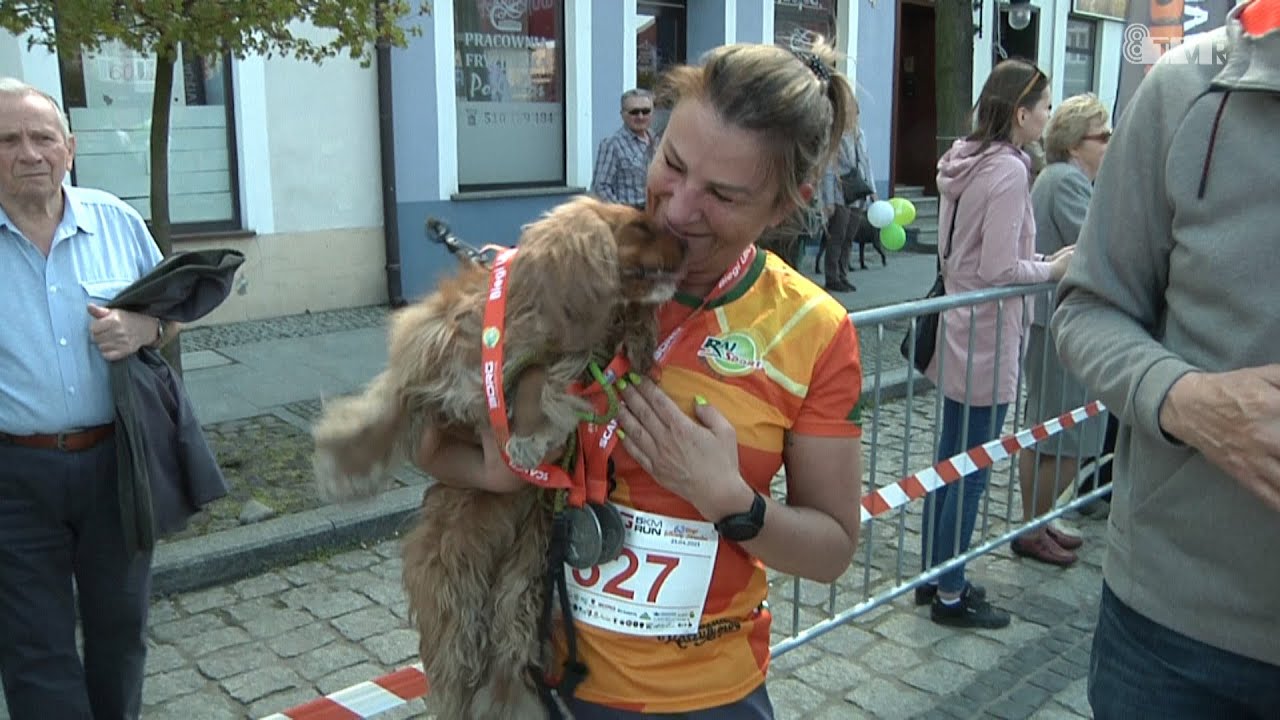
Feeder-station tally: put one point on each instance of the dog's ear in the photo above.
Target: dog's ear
(635, 243)
(615, 215)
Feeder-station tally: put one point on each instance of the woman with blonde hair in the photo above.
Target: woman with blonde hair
(1075, 141)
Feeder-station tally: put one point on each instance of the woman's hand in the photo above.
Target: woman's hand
(1059, 261)
(695, 458)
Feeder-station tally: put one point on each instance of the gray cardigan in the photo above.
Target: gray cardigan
(1175, 271)
(1060, 200)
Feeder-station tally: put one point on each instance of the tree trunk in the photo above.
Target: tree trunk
(161, 112)
(953, 28)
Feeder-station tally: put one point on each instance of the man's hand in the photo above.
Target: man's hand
(119, 333)
(1233, 419)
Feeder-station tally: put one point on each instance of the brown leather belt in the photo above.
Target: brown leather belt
(66, 442)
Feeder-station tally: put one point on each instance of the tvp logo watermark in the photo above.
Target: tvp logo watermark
(1142, 47)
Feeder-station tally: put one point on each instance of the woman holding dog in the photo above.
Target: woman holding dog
(760, 370)
(984, 183)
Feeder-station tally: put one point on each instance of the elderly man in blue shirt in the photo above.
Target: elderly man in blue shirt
(64, 253)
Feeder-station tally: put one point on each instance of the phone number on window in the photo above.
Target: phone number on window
(518, 118)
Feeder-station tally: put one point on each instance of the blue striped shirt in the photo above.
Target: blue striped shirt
(52, 376)
(622, 168)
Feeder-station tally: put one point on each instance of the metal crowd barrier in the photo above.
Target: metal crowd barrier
(900, 432)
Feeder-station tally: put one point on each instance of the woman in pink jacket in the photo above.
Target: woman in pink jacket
(984, 182)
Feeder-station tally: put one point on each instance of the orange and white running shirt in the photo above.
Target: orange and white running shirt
(775, 354)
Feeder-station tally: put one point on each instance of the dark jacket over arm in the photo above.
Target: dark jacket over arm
(166, 469)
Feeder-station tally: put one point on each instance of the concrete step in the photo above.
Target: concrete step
(926, 207)
(921, 241)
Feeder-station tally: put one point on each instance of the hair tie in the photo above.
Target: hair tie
(815, 64)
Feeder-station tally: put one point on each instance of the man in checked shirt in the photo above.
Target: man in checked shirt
(622, 162)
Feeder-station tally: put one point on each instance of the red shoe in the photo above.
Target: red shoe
(1043, 548)
(1068, 542)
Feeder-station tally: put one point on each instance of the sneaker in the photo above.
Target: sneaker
(970, 612)
(926, 593)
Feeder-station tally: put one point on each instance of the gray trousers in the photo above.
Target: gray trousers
(838, 244)
(59, 521)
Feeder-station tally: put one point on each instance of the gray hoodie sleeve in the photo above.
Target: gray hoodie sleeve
(1111, 301)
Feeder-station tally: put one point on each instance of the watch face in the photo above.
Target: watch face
(744, 526)
(740, 529)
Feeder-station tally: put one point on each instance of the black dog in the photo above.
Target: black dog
(864, 235)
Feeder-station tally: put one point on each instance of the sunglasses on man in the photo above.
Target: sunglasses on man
(636, 112)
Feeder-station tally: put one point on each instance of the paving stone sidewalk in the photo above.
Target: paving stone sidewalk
(269, 642)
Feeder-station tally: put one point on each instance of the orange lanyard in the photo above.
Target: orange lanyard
(491, 355)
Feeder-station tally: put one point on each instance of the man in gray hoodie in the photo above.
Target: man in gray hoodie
(1170, 312)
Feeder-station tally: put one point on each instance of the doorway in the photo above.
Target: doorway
(660, 39)
(915, 113)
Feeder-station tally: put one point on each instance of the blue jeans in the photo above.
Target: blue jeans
(1140, 668)
(947, 506)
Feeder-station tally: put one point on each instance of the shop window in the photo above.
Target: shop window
(797, 24)
(107, 94)
(1081, 53)
(510, 85)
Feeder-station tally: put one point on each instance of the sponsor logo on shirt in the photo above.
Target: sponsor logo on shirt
(733, 354)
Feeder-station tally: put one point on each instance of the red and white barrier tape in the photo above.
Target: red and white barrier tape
(917, 485)
(371, 698)
(363, 700)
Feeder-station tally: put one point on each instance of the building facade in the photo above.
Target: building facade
(325, 175)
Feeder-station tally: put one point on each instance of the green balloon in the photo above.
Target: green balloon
(893, 237)
(904, 213)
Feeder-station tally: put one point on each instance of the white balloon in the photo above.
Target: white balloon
(880, 214)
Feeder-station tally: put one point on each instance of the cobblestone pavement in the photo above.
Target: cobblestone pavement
(269, 642)
(272, 641)
(212, 337)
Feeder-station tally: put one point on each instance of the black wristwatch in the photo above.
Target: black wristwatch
(743, 526)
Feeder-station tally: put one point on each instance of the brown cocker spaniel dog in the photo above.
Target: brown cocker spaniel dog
(586, 281)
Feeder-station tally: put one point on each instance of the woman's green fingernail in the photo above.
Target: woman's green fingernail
(621, 434)
(635, 379)
(622, 383)
(699, 400)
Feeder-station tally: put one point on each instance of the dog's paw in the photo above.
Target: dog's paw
(335, 485)
(527, 451)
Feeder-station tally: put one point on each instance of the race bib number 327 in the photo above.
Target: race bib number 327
(657, 586)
